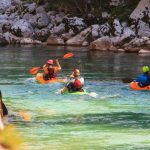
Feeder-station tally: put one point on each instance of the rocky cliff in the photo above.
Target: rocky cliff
(121, 23)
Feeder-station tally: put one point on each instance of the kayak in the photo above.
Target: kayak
(135, 86)
(76, 93)
(40, 79)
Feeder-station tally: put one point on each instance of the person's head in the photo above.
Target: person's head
(76, 72)
(145, 69)
(50, 62)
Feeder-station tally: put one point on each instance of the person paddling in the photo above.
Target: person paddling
(50, 71)
(144, 79)
(3, 111)
(75, 83)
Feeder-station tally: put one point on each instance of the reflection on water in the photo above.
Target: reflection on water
(117, 119)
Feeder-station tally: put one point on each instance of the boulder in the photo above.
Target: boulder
(95, 31)
(80, 38)
(67, 36)
(3, 41)
(29, 41)
(138, 43)
(141, 10)
(143, 29)
(102, 44)
(32, 8)
(118, 29)
(53, 40)
(6, 26)
(75, 23)
(4, 4)
(41, 35)
(17, 2)
(11, 39)
(132, 49)
(22, 28)
(40, 9)
(58, 30)
(143, 51)
(42, 20)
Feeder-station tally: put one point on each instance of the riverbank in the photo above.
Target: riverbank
(24, 22)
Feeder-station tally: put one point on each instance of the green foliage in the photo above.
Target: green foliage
(83, 8)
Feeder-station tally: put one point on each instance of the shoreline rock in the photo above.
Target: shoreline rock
(29, 23)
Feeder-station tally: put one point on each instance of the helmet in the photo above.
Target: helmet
(145, 69)
(77, 83)
(50, 61)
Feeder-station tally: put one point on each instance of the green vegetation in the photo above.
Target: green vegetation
(88, 9)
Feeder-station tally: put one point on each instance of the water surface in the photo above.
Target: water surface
(119, 118)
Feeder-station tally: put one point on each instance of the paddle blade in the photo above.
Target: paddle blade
(68, 55)
(34, 70)
(127, 80)
(26, 117)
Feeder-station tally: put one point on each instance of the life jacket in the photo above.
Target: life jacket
(143, 79)
(78, 84)
(51, 73)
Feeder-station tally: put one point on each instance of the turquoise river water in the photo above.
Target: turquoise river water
(117, 119)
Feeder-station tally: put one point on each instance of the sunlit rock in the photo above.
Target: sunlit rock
(102, 44)
(141, 10)
(79, 38)
(143, 29)
(42, 20)
(53, 40)
(22, 28)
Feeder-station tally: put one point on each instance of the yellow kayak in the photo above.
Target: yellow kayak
(40, 79)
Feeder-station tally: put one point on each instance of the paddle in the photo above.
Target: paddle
(35, 70)
(127, 80)
(3, 107)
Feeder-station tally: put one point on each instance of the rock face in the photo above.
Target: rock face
(22, 28)
(42, 20)
(26, 23)
(141, 10)
(4, 4)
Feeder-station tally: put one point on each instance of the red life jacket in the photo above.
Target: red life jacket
(51, 73)
(77, 83)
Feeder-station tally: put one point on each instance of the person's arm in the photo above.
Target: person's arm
(64, 90)
(45, 69)
(58, 65)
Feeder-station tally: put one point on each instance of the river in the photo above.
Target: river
(118, 118)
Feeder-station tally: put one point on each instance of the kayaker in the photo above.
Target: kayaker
(75, 83)
(50, 71)
(3, 111)
(144, 78)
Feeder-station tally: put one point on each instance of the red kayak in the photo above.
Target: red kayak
(135, 86)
